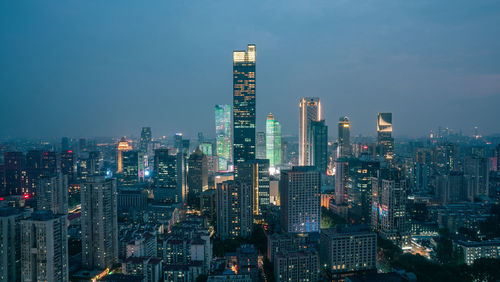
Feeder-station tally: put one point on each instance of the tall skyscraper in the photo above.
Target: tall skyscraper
(52, 194)
(99, 222)
(10, 243)
(341, 181)
(33, 169)
(244, 105)
(273, 141)
(132, 168)
(168, 175)
(146, 138)
(300, 191)
(255, 174)
(123, 146)
(261, 145)
(389, 215)
(14, 178)
(385, 142)
(310, 110)
(319, 145)
(344, 148)
(223, 136)
(197, 179)
(44, 247)
(234, 209)
(68, 165)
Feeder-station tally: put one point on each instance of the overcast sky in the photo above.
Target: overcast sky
(106, 68)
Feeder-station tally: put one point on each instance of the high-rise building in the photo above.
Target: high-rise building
(166, 175)
(99, 222)
(300, 194)
(385, 142)
(44, 247)
(197, 179)
(319, 145)
(477, 168)
(389, 215)
(206, 148)
(244, 105)
(299, 265)
(255, 174)
(49, 163)
(344, 148)
(349, 249)
(341, 181)
(64, 144)
(52, 194)
(234, 209)
(14, 177)
(82, 145)
(123, 146)
(10, 243)
(33, 169)
(261, 145)
(68, 165)
(309, 110)
(132, 168)
(146, 138)
(361, 174)
(273, 141)
(223, 136)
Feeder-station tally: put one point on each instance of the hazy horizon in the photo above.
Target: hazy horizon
(95, 68)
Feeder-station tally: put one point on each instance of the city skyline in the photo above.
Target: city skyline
(398, 74)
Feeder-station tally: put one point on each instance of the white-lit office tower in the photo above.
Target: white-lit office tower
(385, 142)
(44, 248)
(234, 209)
(10, 242)
(52, 194)
(99, 222)
(309, 110)
(344, 147)
(389, 215)
(300, 190)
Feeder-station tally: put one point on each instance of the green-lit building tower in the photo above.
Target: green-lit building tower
(223, 136)
(273, 141)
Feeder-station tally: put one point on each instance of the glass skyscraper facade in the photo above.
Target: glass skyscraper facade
(310, 110)
(344, 148)
(244, 105)
(223, 135)
(273, 141)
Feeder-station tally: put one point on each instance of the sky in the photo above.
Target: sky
(106, 68)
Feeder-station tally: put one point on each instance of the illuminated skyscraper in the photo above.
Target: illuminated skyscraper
(255, 174)
(319, 145)
(244, 105)
(132, 168)
(385, 141)
(344, 148)
(389, 215)
(146, 138)
(52, 194)
(300, 192)
(310, 110)
(273, 141)
(99, 222)
(234, 209)
(261, 145)
(223, 135)
(44, 247)
(123, 146)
